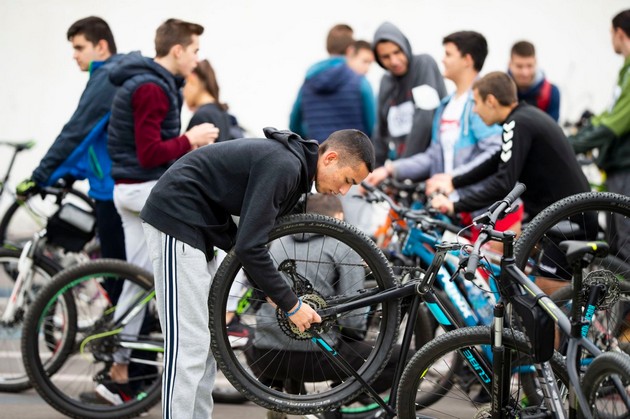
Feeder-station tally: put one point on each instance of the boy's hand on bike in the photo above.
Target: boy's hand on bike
(305, 317)
(440, 183)
(442, 204)
(377, 176)
(26, 189)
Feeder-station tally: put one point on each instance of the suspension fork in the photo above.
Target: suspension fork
(24, 279)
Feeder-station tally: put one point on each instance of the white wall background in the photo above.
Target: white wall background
(261, 49)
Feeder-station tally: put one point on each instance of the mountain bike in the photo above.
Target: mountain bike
(379, 299)
(24, 272)
(86, 335)
(538, 314)
(585, 216)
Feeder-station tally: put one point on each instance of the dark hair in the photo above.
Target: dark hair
(339, 39)
(472, 43)
(499, 85)
(208, 79)
(94, 29)
(622, 20)
(353, 147)
(523, 49)
(361, 44)
(174, 32)
(324, 204)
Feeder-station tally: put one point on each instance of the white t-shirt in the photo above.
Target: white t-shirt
(450, 129)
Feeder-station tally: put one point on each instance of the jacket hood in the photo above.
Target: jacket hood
(306, 151)
(134, 64)
(390, 32)
(331, 79)
(539, 78)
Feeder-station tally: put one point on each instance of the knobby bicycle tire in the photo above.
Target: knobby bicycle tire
(433, 358)
(444, 383)
(13, 377)
(86, 341)
(569, 219)
(602, 396)
(364, 260)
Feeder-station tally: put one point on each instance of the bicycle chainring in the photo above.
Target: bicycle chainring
(316, 301)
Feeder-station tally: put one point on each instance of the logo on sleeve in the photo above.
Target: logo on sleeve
(506, 147)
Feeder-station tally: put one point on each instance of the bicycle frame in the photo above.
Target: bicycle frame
(23, 282)
(421, 288)
(511, 281)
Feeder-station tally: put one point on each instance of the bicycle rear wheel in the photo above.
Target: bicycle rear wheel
(442, 357)
(324, 251)
(604, 397)
(13, 377)
(610, 327)
(87, 339)
(585, 216)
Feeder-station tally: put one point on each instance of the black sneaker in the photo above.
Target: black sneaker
(114, 393)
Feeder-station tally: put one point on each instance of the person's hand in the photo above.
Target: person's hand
(26, 189)
(440, 183)
(304, 317)
(442, 204)
(202, 134)
(377, 176)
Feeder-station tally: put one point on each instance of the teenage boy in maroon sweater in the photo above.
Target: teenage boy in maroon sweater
(144, 140)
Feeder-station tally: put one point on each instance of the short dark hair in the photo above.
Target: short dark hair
(499, 85)
(470, 42)
(339, 38)
(353, 147)
(361, 44)
(94, 29)
(174, 32)
(523, 49)
(325, 204)
(622, 20)
(208, 80)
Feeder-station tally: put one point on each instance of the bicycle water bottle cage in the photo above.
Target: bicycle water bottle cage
(539, 326)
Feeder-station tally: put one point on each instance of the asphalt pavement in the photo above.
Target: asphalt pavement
(28, 405)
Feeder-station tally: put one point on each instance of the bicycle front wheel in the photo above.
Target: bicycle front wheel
(77, 313)
(285, 370)
(12, 374)
(585, 216)
(605, 397)
(442, 357)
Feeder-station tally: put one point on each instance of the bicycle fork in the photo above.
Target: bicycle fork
(23, 281)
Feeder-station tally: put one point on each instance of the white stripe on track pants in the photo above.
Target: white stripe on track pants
(182, 285)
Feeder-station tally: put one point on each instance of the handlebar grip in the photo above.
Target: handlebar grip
(368, 187)
(518, 190)
(471, 267)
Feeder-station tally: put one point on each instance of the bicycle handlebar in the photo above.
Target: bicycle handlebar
(493, 214)
(421, 216)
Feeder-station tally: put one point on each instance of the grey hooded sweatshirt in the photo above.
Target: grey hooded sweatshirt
(410, 130)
